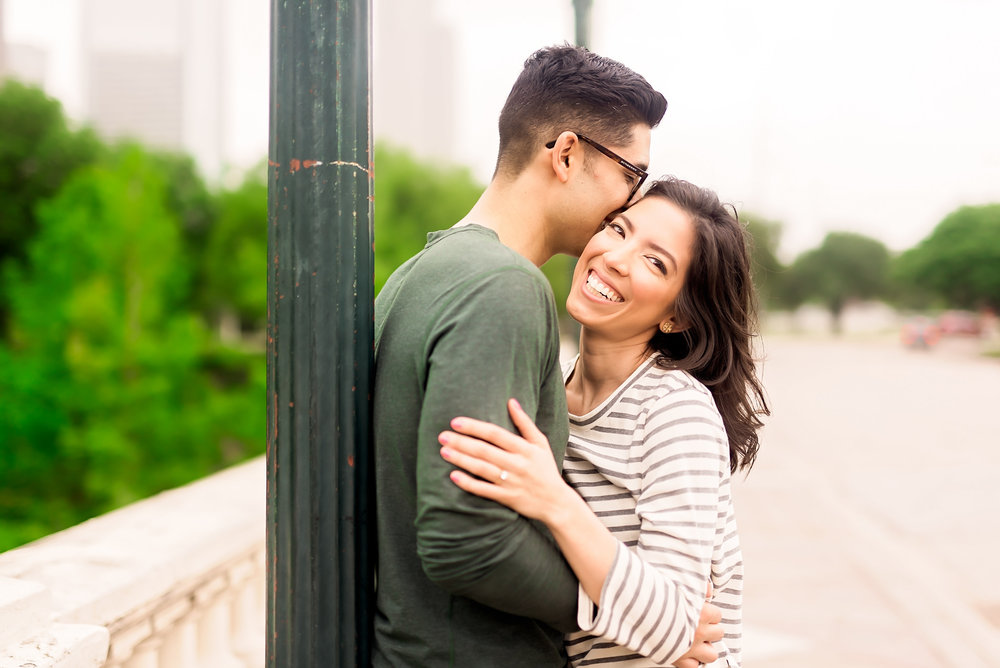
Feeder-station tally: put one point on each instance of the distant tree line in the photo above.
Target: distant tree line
(956, 266)
(133, 303)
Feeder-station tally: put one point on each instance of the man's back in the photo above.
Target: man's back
(460, 328)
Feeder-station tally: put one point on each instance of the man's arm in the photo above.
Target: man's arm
(491, 343)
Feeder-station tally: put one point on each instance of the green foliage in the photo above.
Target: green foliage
(413, 198)
(960, 261)
(768, 271)
(233, 276)
(114, 388)
(38, 151)
(845, 267)
(187, 197)
(559, 271)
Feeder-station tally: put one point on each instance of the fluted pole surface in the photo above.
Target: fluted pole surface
(319, 339)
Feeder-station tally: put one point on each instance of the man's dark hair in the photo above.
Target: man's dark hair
(569, 88)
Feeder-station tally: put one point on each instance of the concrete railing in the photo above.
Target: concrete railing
(173, 581)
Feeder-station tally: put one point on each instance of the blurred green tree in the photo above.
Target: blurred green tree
(768, 271)
(114, 389)
(38, 151)
(232, 275)
(959, 262)
(559, 271)
(845, 267)
(187, 196)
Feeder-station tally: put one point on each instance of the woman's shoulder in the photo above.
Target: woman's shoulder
(667, 393)
(662, 382)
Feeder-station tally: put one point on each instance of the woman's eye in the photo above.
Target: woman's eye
(655, 261)
(618, 229)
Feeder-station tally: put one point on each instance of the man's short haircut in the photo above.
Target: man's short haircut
(569, 88)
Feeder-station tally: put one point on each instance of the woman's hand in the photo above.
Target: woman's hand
(517, 471)
(709, 630)
(520, 473)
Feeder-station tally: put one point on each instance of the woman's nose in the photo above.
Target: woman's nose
(617, 261)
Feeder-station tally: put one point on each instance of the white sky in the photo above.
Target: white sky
(877, 116)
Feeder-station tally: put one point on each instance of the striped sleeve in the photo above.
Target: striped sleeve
(727, 580)
(652, 597)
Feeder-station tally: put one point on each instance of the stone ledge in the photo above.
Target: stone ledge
(60, 646)
(25, 607)
(118, 580)
(101, 570)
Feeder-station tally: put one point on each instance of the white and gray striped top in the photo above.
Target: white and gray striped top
(652, 461)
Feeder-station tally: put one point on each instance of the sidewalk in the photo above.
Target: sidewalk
(834, 577)
(826, 587)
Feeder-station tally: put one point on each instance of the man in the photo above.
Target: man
(464, 325)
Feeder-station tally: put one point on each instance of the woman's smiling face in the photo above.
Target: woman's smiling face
(630, 273)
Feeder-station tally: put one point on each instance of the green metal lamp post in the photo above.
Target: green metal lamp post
(320, 333)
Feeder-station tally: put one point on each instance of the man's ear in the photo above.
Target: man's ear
(564, 152)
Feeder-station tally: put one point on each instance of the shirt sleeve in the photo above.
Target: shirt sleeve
(652, 597)
(492, 342)
(727, 580)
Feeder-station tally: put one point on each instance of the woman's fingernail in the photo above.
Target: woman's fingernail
(457, 423)
(446, 453)
(444, 437)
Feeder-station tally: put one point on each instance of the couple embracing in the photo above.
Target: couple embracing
(532, 513)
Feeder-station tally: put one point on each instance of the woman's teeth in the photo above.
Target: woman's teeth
(595, 284)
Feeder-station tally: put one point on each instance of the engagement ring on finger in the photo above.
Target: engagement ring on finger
(503, 474)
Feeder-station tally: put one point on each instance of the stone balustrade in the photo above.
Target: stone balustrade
(173, 581)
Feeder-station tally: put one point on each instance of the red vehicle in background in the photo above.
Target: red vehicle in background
(959, 323)
(920, 332)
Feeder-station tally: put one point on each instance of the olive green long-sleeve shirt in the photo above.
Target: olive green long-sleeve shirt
(460, 328)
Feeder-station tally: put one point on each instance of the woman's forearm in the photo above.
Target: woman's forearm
(587, 544)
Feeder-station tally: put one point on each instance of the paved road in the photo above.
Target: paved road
(871, 521)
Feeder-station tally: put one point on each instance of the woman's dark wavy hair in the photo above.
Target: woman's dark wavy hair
(718, 308)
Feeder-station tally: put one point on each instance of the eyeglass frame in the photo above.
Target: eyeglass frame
(638, 171)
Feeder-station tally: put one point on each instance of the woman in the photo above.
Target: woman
(664, 405)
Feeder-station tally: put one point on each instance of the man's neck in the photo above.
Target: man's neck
(513, 211)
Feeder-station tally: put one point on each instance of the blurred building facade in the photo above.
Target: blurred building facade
(415, 75)
(154, 70)
(26, 62)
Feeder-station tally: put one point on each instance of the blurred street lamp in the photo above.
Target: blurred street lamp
(581, 11)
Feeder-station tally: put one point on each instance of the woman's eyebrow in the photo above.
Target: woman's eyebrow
(658, 248)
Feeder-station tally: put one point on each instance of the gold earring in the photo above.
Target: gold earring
(665, 327)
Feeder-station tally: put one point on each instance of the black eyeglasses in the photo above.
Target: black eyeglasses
(641, 174)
